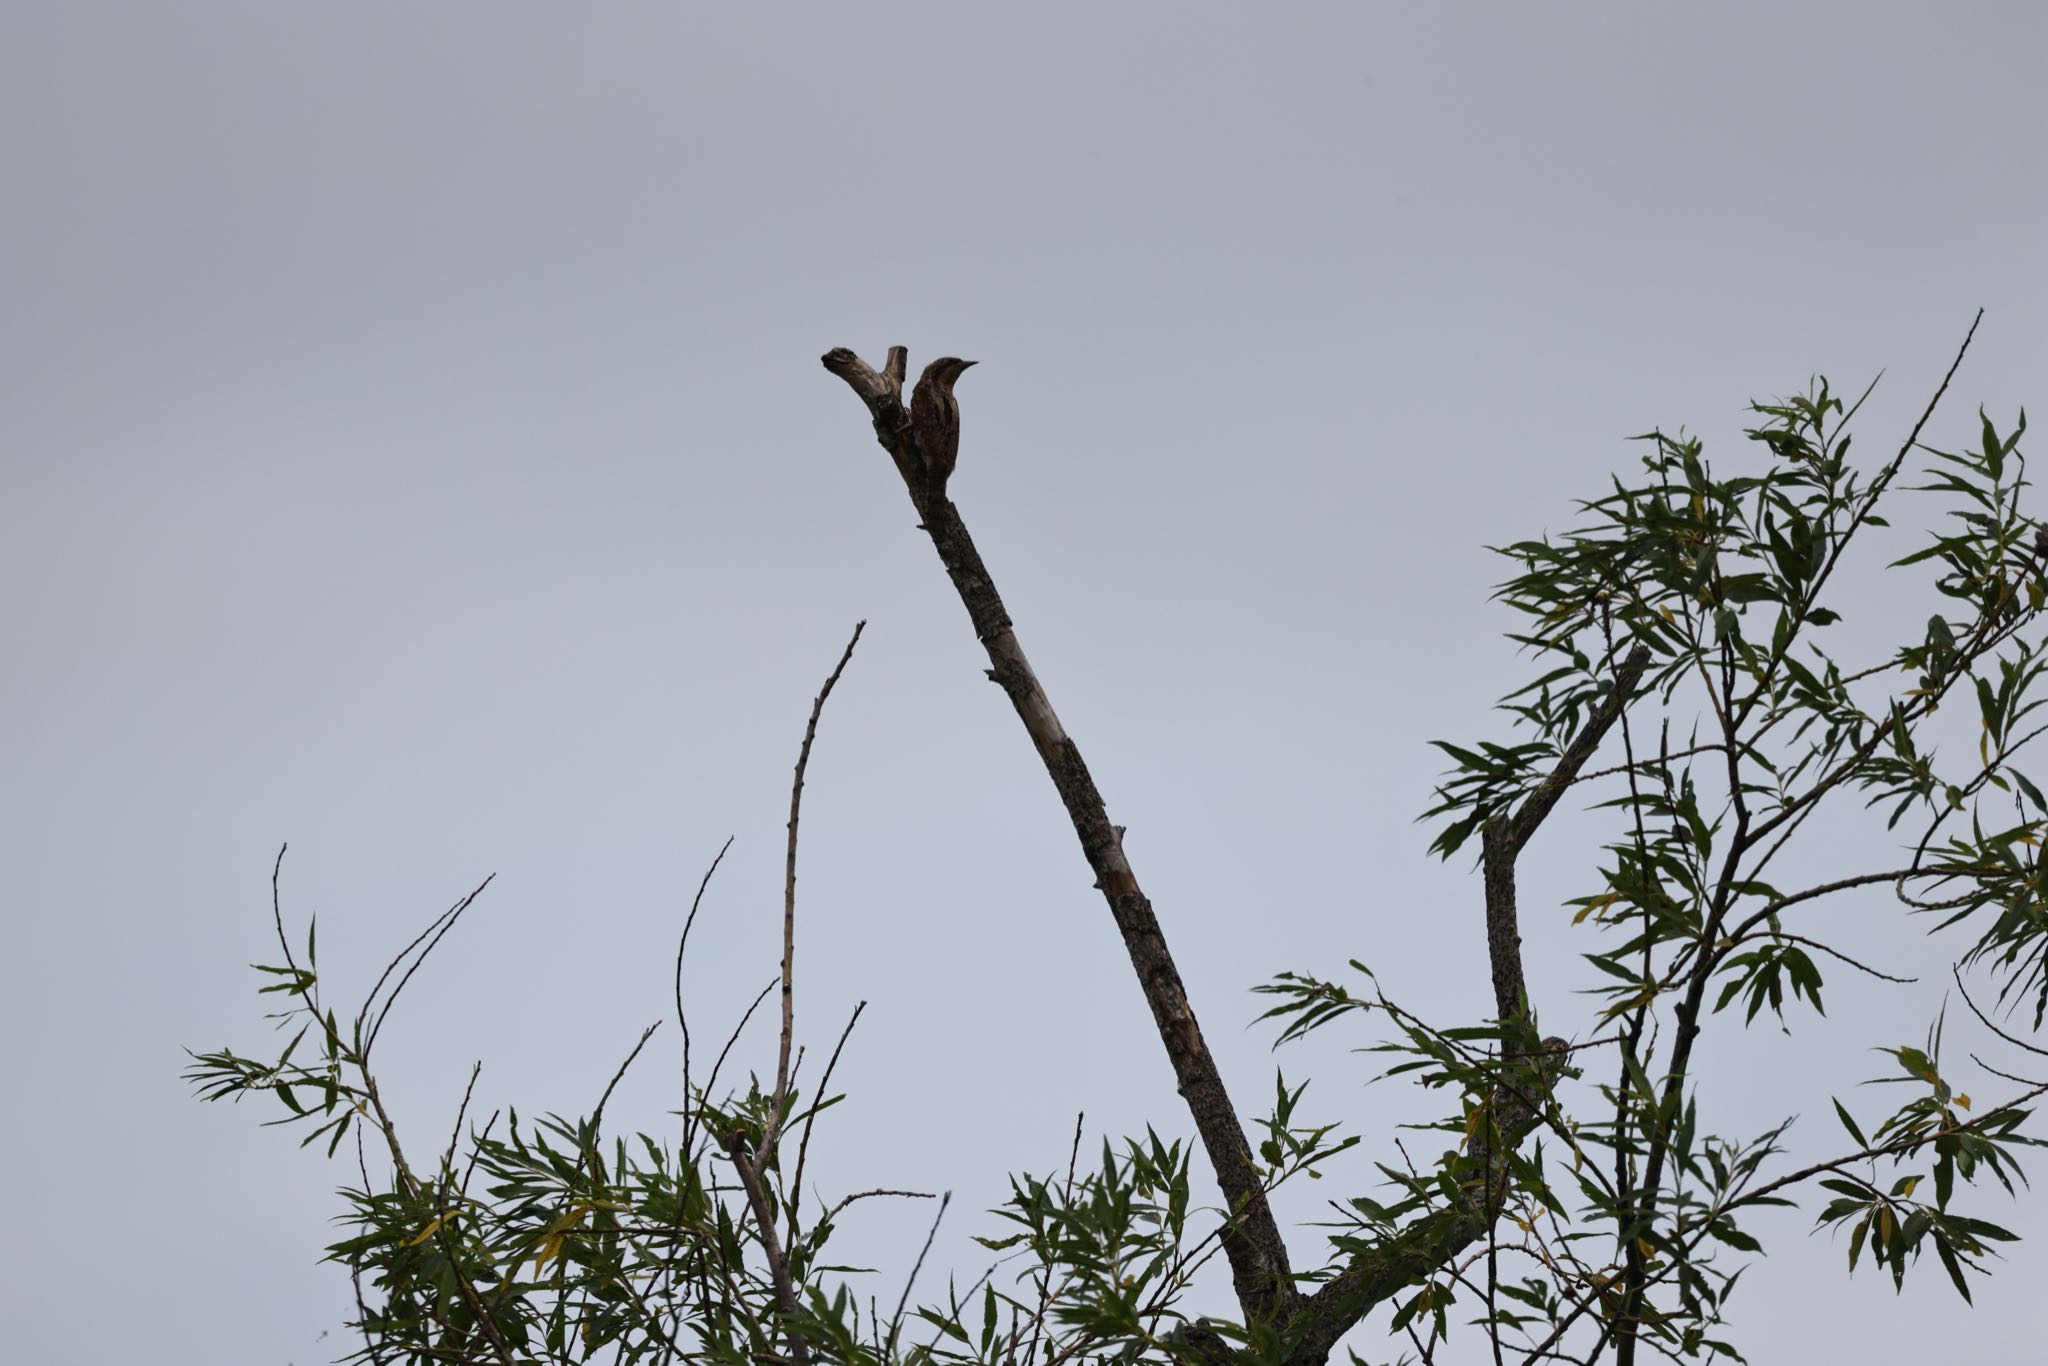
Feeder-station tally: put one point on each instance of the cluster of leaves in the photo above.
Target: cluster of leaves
(1744, 726)
(548, 1241)
(1107, 1258)
(1894, 1225)
(544, 1240)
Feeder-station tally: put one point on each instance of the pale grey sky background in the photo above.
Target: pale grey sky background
(415, 449)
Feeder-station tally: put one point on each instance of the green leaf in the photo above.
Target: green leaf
(1850, 1125)
(1955, 1270)
(1723, 1230)
(1994, 461)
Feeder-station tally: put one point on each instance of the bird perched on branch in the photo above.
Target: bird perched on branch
(935, 416)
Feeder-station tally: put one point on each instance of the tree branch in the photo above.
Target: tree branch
(1503, 839)
(764, 1225)
(1539, 803)
(1433, 1241)
(772, 1131)
(1436, 1239)
(1257, 1252)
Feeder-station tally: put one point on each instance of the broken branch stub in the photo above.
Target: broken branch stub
(923, 440)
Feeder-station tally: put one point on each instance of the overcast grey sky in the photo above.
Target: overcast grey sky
(415, 449)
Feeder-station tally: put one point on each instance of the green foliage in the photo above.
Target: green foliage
(1892, 1224)
(1747, 724)
(1575, 1199)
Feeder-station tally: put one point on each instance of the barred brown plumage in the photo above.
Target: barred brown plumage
(935, 416)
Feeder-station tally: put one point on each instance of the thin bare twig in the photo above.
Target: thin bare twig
(1632, 765)
(2015, 1042)
(475, 1152)
(771, 1133)
(455, 1134)
(682, 1018)
(1843, 957)
(1073, 1157)
(876, 1193)
(718, 1066)
(277, 909)
(803, 1147)
(2008, 1076)
(431, 936)
(1763, 913)
(896, 1321)
(597, 1116)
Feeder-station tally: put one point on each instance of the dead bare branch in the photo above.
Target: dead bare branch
(1259, 1264)
(771, 1133)
(682, 1018)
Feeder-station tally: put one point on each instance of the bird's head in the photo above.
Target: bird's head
(945, 372)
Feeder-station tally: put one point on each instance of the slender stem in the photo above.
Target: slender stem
(772, 1131)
